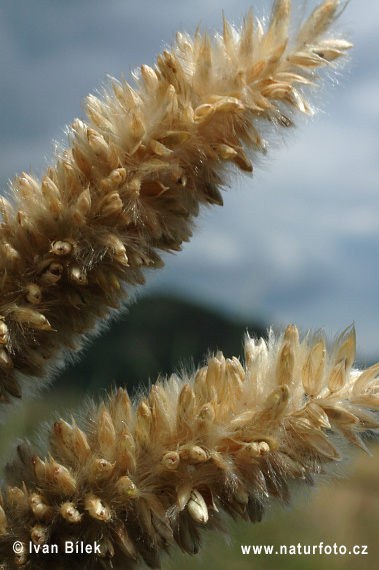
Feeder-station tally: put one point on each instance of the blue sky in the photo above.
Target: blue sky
(298, 242)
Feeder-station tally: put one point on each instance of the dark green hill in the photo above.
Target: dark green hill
(158, 335)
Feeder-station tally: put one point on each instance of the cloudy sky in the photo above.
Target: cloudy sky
(298, 242)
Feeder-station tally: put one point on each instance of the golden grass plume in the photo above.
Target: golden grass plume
(134, 174)
(135, 478)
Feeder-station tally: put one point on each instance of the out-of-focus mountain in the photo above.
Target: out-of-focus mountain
(158, 336)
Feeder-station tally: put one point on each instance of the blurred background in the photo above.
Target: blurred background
(297, 242)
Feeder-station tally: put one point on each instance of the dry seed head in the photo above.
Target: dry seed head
(33, 293)
(127, 451)
(115, 245)
(49, 188)
(365, 379)
(51, 275)
(30, 317)
(292, 335)
(39, 534)
(121, 410)
(96, 508)
(61, 248)
(207, 413)
(339, 416)
(70, 513)
(171, 460)
(106, 431)
(143, 424)
(40, 509)
(276, 401)
(78, 276)
(17, 497)
(97, 144)
(83, 204)
(196, 454)
(62, 478)
(186, 403)
(346, 352)
(285, 364)
(236, 453)
(74, 442)
(25, 185)
(39, 468)
(100, 470)
(337, 377)
(313, 369)
(80, 443)
(257, 449)
(197, 507)
(52, 196)
(81, 160)
(63, 431)
(125, 487)
(142, 180)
